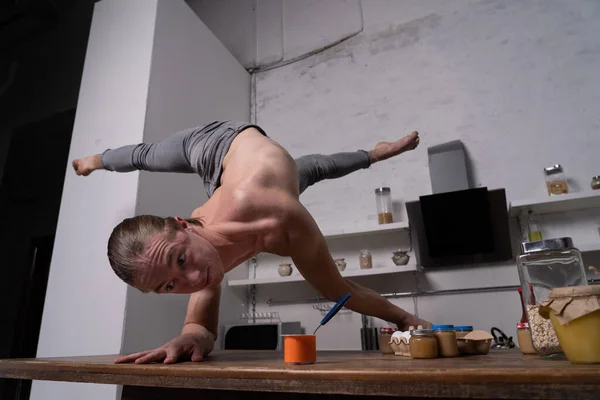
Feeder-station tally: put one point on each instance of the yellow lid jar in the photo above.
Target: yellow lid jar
(575, 315)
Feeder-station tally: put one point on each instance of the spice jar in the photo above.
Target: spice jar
(364, 259)
(556, 181)
(575, 316)
(524, 338)
(383, 198)
(423, 344)
(446, 338)
(542, 266)
(596, 183)
(385, 334)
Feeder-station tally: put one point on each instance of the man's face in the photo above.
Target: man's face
(186, 263)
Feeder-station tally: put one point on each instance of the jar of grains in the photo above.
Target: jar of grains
(543, 266)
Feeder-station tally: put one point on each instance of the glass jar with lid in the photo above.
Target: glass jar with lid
(383, 198)
(543, 266)
(365, 261)
(596, 183)
(423, 344)
(385, 334)
(556, 181)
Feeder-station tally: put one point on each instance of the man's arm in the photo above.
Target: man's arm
(202, 317)
(311, 255)
(198, 335)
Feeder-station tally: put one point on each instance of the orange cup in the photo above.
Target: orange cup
(299, 349)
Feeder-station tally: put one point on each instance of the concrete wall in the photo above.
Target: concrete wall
(85, 301)
(266, 32)
(516, 81)
(194, 80)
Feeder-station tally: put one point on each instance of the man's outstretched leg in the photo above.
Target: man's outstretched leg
(317, 167)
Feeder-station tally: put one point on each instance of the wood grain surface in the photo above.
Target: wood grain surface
(500, 374)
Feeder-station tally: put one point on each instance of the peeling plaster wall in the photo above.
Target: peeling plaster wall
(516, 81)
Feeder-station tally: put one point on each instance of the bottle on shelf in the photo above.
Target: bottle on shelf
(533, 230)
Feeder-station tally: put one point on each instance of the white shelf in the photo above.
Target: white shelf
(371, 230)
(588, 247)
(346, 274)
(554, 204)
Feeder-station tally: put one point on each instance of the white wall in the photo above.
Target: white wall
(265, 32)
(194, 80)
(516, 81)
(85, 301)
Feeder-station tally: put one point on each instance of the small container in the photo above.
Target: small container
(400, 258)
(461, 332)
(556, 181)
(524, 338)
(299, 349)
(284, 269)
(385, 334)
(365, 260)
(340, 263)
(423, 344)
(596, 183)
(446, 338)
(476, 342)
(575, 316)
(383, 198)
(543, 266)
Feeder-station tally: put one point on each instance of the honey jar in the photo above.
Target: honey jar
(423, 344)
(385, 334)
(524, 338)
(461, 332)
(575, 315)
(446, 338)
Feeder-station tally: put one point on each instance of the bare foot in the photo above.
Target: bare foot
(385, 150)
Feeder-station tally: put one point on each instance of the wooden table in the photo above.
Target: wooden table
(502, 374)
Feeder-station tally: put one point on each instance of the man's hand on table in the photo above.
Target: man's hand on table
(183, 348)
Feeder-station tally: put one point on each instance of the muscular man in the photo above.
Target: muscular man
(253, 186)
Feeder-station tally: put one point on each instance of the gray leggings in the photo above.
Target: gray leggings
(201, 150)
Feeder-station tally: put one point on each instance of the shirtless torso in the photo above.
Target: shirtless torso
(256, 209)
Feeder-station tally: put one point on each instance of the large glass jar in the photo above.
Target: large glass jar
(543, 266)
(383, 197)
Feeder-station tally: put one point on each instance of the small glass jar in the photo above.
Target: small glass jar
(446, 338)
(543, 266)
(383, 198)
(534, 234)
(596, 183)
(524, 338)
(364, 259)
(461, 332)
(556, 180)
(385, 334)
(423, 344)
